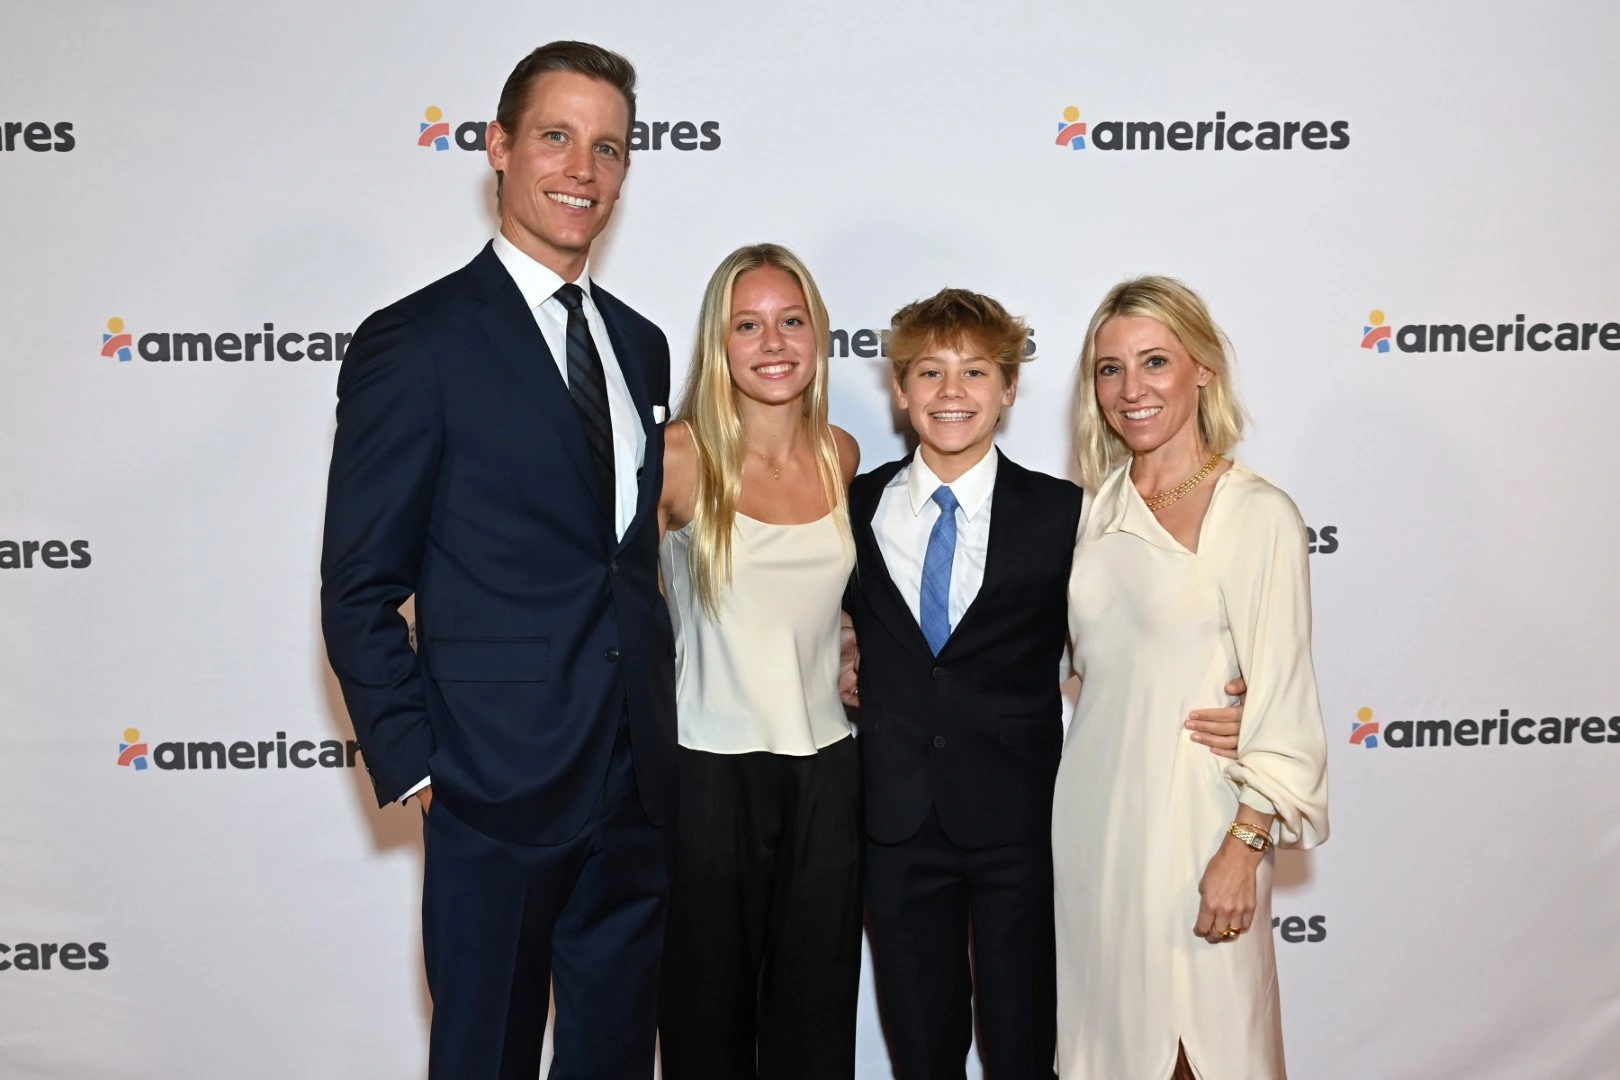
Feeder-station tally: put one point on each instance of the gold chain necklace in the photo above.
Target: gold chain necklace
(1166, 498)
(776, 470)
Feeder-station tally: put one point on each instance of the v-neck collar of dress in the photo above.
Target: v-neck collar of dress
(1130, 514)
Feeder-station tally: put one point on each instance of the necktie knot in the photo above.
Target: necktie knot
(571, 296)
(945, 498)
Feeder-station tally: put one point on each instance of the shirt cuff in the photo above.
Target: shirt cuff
(424, 782)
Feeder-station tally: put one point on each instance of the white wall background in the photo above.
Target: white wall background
(236, 165)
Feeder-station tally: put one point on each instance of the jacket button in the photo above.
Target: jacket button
(939, 742)
(612, 654)
(613, 567)
(939, 673)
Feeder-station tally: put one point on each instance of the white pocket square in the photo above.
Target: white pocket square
(660, 414)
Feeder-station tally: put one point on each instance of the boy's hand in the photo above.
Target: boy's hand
(1218, 728)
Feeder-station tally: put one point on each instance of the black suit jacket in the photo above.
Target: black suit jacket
(977, 731)
(461, 473)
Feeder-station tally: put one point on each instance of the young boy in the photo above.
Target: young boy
(960, 604)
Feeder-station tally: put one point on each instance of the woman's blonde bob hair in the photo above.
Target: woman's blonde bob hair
(709, 406)
(1182, 312)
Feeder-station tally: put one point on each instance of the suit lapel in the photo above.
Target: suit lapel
(873, 573)
(510, 327)
(1005, 498)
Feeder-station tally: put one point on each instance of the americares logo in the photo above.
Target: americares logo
(1072, 130)
(1201, 135)
(1295, 929)
(267, 345)
(264, 754)
(872, 343)
(1375, 335)
(1323, 540)
(1500, 730)
(37, 136)
(51, 554)
(1364, 729)
(132, 752)
(117, 341)
(434, 131)
(1513, 336)
(69, 956)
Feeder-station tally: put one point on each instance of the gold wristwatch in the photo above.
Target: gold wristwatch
(1258, 839)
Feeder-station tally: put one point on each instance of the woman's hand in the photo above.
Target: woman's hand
(1226, 894)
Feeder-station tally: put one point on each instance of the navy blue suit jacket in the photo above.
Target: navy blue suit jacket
(461, 473)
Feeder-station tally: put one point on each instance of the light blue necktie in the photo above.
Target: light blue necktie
(935, 606)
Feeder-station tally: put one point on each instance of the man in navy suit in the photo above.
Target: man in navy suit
(498, 455)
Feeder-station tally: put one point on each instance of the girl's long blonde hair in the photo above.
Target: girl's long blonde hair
(709, 406)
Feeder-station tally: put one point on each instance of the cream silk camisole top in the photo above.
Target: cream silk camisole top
(764, 675)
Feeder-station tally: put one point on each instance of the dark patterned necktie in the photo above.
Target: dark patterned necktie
(587, 385)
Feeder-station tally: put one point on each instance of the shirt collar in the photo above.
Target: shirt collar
(537, 283)
(972, 489)
(1119, 507)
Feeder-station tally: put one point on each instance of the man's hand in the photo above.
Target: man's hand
(1218, 728)
(849, 667)
(425, 797)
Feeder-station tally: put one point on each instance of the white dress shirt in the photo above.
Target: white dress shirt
(905, 518)
(539, 285)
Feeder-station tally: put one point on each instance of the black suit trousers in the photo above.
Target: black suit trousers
(929, 903)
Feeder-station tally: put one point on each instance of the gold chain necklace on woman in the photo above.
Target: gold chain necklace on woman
(1166, 498)
(776, 470)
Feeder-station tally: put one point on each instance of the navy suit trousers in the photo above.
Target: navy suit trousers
(502, 922)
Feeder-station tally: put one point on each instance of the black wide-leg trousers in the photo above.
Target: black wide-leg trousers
(762, 956)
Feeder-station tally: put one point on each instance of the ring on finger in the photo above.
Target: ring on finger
(1231, 932)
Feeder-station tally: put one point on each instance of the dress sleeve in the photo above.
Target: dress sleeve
(1281, 766)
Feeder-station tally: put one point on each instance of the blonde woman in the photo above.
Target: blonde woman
(762, 949)
(1190, 569)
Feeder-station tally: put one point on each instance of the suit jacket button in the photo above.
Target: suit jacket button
(613, 566)
(939, 742)
(612, 654)
(939, 673)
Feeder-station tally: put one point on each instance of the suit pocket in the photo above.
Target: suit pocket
(1029, 730)
(488, 659)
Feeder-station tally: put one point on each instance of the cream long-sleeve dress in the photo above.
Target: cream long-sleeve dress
(1139, 809)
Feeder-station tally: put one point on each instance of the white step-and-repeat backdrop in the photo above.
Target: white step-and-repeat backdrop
(1405, 214)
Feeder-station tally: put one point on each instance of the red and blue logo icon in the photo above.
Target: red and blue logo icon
(1377, 332)
(1364, 729)
(1072, 129)
(117, 341)
(434, 131)
(132, 752)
